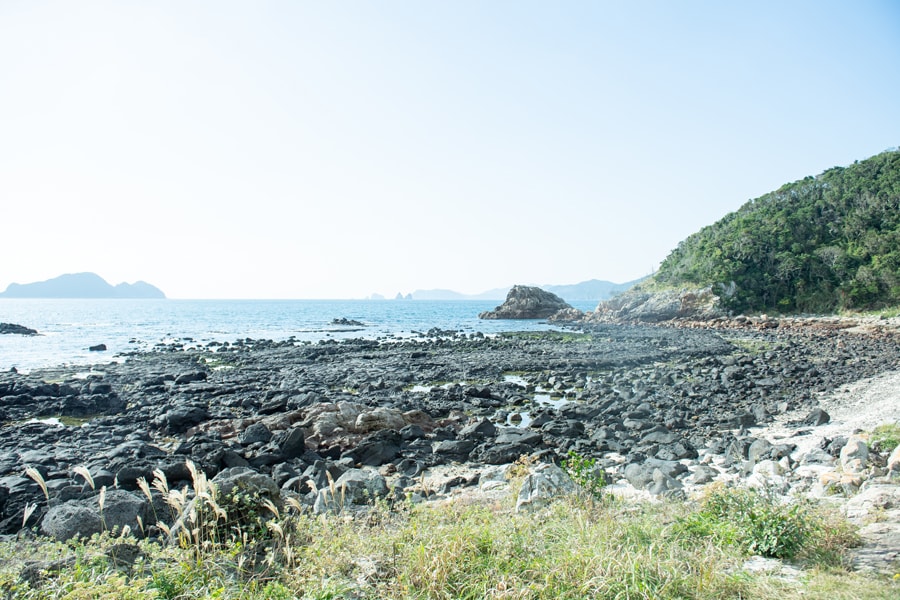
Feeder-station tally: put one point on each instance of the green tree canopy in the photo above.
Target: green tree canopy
(816, 245)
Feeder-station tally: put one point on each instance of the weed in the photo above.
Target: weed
(564, 337)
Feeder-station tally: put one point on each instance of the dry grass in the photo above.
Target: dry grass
(239, 547)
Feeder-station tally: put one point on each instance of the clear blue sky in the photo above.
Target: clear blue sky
(335, 149)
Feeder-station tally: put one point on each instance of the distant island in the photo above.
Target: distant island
(81, 285)
(592, 290)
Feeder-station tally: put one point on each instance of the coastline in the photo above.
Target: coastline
(664, 410)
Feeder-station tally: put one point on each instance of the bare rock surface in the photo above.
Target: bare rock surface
(526, 302)
(658, 306)
(663, 410)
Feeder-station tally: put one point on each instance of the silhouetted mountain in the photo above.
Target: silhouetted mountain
(439, 295)
(592, 290)
(81, 285)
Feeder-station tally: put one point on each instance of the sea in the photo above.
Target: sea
(69, 327)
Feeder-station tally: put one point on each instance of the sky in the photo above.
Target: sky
(293, 149)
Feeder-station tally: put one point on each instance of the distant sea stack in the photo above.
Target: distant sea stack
(524, 302)
(81, 285)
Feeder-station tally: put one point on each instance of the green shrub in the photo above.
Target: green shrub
(585, 472)
(756, 521)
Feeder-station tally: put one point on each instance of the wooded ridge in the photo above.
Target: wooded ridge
(820, 244)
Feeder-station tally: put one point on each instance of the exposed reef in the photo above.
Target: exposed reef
(659, 408)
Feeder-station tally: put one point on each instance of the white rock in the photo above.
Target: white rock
(854, 455)
(772, 567)
(873, 497)
(545, 483)
(893, 462)
(769, 468)
(816, 456)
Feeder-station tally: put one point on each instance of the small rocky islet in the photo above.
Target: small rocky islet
(659, 407)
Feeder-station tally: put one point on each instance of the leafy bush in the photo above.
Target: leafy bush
(756, 521)
(585, 472)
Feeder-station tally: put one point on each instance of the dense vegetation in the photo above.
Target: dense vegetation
(821, 244)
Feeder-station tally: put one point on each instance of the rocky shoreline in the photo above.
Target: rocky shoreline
(662, 409)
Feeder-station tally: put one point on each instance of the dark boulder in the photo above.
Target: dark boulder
(501, 454)
(569, 428)
(457, 450)
(354, 487)
(345, 322)
(83, 518)
(513, 435)
(256, 433)
(375, 450)
(185, 378)
(179, 418)
(816, 417)
(478, 430)
(291, 443)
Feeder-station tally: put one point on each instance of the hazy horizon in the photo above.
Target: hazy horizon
(371, 296)
(336, 150)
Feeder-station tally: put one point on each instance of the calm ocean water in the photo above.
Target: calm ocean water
(69, 327)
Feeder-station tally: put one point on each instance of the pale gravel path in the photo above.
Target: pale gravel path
(859, 407)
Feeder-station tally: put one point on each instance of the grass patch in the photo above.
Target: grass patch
(886, 313)
(216, 363)
(563, 337)
(757, 522)
(752, 346)
(885, 438)
(242, 547)
(889, 313)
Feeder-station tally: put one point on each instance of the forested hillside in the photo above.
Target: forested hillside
(820, 244)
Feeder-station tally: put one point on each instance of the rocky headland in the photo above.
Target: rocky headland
(639, 306)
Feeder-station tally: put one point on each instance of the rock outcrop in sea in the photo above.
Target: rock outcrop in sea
(527, 302)
(13, 328)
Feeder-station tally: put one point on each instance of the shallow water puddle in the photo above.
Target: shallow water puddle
(57, 421)
(423, 389)
(523, 418)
